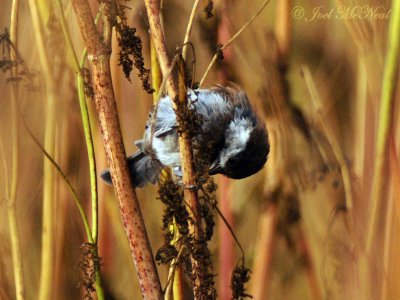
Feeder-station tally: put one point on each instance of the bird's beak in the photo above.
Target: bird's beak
(215, 168)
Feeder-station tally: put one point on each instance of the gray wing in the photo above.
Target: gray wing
(162, 120)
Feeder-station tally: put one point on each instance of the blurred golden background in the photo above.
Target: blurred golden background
(311, 224)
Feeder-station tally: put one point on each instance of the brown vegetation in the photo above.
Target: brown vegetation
(320, 221)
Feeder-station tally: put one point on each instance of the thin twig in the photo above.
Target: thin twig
(66, 180)
(189, 29)
(231, 40)
(230, 231)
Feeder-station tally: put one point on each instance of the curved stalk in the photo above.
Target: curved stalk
(85, 121)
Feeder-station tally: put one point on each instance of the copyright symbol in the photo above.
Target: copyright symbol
(298, 12)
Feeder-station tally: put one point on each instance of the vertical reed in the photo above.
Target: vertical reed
(226, 245)
(389, 85)
(177, 92)
(12, 196)
(47, 254)
(99, 59)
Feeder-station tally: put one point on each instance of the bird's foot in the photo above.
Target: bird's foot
(191, 187)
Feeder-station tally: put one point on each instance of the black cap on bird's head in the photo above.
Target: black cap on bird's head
(246, 149)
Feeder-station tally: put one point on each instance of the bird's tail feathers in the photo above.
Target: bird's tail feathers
(143, 170)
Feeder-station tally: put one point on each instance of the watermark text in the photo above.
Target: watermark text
(344, 12)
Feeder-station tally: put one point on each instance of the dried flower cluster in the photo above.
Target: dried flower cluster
(7, 63)
(130, 45)
(240, 276)
(182, 245)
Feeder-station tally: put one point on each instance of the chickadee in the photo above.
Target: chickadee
(238, 137)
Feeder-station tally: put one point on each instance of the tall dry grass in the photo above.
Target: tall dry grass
(319, 222)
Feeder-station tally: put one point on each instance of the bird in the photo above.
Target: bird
(237, 136)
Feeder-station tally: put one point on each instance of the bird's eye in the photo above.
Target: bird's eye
(232, 160)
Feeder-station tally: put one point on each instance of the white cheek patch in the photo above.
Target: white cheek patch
(238, 134)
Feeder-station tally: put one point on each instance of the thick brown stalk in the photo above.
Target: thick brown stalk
(190, 195)
(185, 146)
(99, 58)
(178, 96)
(174, 289)
(186, 155)
(153, 12)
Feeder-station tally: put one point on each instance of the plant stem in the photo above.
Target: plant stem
(189, 29)
(93, 177)
(47, 262)
(12, 196)
(264, 251)
(153, 12)
(86, 123)
(227, 252)
(306, 256)
(16, 251)
(91, 155)
(390, 82)
(156, 76)
(174, 287)
(178, 285)
(66, 180)
(99, 59)
(283, 29)
(98, 283)
(177, 93)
